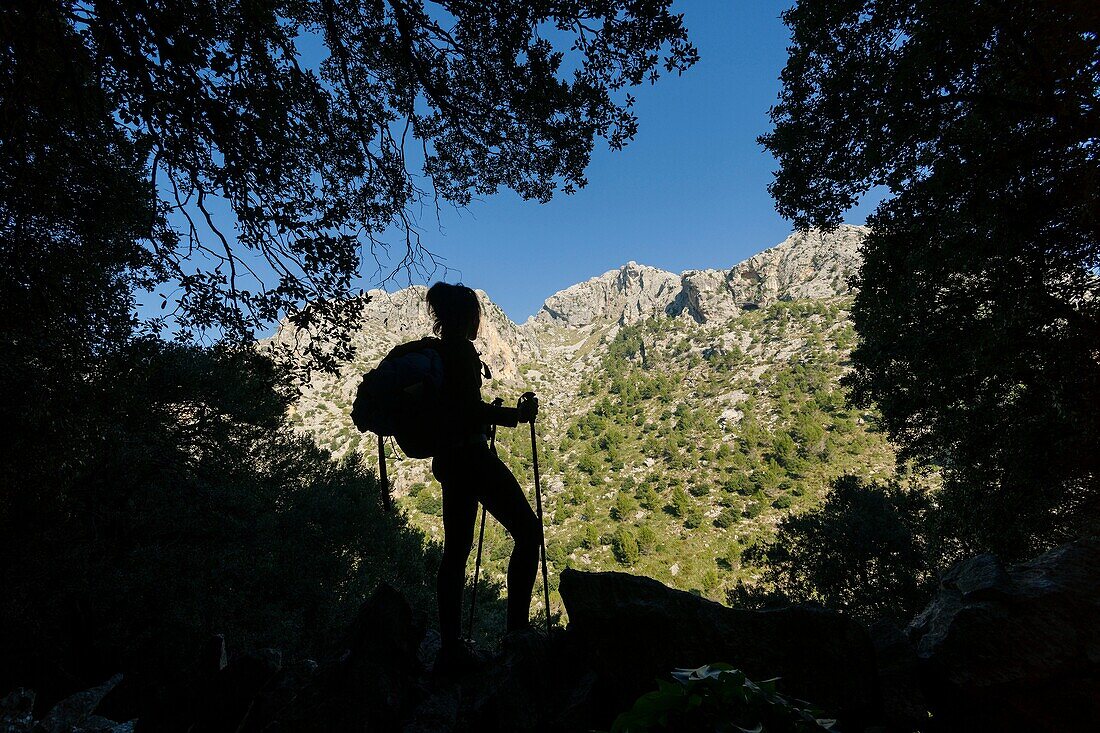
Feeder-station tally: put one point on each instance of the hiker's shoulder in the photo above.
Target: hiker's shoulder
(461, 348)
(428, 342)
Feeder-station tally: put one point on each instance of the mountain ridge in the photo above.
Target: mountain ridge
(562, 339)
(684, 413)
(806, 264)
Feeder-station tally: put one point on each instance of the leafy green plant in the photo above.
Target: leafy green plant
(727, 518)
(647, 539)
(717, 697)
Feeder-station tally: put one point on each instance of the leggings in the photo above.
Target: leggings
(471, 474)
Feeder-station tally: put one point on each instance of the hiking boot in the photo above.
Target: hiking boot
(456, 661)
(525, 639)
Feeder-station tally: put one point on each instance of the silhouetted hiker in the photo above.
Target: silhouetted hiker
(469, 472)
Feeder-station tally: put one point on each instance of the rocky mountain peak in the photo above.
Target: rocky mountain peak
(631, 293)
(812, 264)
(394, 318)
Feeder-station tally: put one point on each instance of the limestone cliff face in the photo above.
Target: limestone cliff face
(632, 293)
(564, 342)
(810, 264)
(390, 319)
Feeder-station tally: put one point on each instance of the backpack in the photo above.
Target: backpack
(401, 397)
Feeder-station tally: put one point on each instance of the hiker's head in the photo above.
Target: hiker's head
(456, 311)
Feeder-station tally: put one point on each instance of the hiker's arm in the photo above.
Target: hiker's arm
(497, 414)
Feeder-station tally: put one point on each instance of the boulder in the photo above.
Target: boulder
(16, 711)
(634, 630)
(904, 706)
(74, 711)
(213, 657)
(227, 702)
(537, 684)
(374, 685)
(1018, 646)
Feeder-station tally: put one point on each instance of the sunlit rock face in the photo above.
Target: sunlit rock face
(632, 293)
(390, 319)
(812, 264)
(563, 345)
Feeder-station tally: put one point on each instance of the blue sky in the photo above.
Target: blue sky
(689, 192)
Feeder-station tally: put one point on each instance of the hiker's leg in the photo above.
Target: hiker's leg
(504, 499)
(459, 516)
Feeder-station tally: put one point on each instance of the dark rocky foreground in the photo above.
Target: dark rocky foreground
(998, 648)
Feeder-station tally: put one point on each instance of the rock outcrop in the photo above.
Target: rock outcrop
(998, 648)
(374, 683)
(632, 293)
(74, 714)
(1016, 647)
(633, 630)
(812, 264)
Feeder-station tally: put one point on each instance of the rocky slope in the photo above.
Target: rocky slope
(810, 264)
(632, 293)
(806, 265)
(690, 411)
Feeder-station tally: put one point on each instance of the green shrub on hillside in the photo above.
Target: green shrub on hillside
(430, 502)
(650, 438)
(624, 506)
(681, 503)
(624, 545)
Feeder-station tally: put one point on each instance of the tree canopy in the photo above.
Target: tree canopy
(154, 493)
(979, 301)
(411, 105)
(862, 552)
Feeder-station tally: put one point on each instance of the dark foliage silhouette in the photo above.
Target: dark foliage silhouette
(414, 104)
(978, 308)
(153, 492)
(187, 508)
(862, 552)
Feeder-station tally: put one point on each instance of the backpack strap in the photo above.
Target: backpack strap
(383, 480)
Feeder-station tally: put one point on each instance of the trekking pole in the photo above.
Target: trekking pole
(481, 535)
(383, 480)
(538, 510)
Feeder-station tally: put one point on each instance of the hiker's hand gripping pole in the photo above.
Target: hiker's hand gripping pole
(530, 399)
